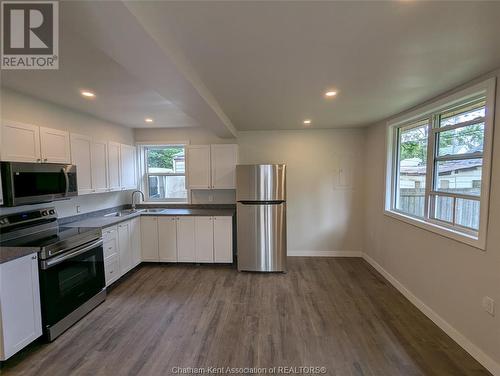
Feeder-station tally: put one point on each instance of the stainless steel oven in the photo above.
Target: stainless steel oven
(70, 283)
(31, 183)
(71, 273)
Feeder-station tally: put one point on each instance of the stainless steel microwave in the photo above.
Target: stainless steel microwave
(33, 183)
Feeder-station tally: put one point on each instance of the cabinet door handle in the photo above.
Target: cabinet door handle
(45, 159)
(33, 257)
(38, 160)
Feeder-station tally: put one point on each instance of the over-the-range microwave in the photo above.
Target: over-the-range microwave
(33, 183)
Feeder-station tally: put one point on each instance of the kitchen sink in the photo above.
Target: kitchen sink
(152, 210)
(122, 213)
(125, 212)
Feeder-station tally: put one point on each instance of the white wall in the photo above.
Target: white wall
(449, 277)
(25, 109)
(323, 216)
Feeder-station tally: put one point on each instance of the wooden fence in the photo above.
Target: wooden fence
(412, 201)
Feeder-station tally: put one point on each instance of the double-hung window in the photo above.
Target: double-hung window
(439, 165)
(165, 173)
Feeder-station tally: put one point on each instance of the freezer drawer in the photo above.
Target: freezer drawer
(261, 237)
(264, 182)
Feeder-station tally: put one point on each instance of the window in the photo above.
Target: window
(438, 165)
(165, 173)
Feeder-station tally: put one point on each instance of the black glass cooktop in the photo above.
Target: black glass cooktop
(49, 237)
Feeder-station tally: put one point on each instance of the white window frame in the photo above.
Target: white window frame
(144, 170)
(474, 238)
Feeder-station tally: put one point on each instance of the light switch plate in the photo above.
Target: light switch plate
(489, 305)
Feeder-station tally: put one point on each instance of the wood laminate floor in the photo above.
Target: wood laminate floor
(337, 313)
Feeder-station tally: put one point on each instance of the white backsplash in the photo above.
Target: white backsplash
(84, 204)
(216, 196)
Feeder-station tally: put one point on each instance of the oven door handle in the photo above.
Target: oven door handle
(46, 264)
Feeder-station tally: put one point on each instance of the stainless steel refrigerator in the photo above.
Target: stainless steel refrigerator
(261, 217)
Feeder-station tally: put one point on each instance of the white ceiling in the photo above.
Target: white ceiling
(268, 63)
(263, 65)
(121, 97)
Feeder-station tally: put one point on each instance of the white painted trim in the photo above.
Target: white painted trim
(325, 253)
(434, 227)
(486, 88)
(458, 337)
(159, 143)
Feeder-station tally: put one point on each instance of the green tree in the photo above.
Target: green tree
(413, 143)
(163, 158)
(470, 138)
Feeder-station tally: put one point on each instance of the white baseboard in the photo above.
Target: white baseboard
(325, 253)
(458, 337)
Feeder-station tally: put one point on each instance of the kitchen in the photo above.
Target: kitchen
(185, 203)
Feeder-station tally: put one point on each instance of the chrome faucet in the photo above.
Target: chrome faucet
(133, 202)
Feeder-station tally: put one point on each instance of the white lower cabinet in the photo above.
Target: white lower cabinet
(20, 313)
(124, 248)
(186, 239)
(223, 239)
(135, 241)
(149, 236)
(112, 269)
(167, 239)
(121, 248)
(204, 239)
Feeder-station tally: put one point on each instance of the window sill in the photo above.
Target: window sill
(471, 240)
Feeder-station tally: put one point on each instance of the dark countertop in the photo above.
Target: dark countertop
(11, 253)
(99, 220)
(103, 221)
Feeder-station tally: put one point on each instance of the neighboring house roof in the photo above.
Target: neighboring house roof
(460, 165)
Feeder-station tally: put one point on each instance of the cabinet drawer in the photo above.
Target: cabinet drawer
(110, 247)
(109, 233)
(112, 269)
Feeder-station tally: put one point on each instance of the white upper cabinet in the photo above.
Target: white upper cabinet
(128, 173)
(224, 158)
(54, 146)
(167, 239)
(20, 142)
(81, 157)
(114, 166)
(211, 166)
(204, 239)
(99, 164)
(30, 143)
(20, 312)
(198, 166)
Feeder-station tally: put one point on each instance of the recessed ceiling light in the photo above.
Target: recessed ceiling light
(331, 93)
(87, 94)
(148, 120)
(307, 122)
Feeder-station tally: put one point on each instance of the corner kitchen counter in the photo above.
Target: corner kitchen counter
(12, 253)
(103, 221)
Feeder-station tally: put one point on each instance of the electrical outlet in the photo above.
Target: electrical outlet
(210, 198)
(78, 210)
(489, 305)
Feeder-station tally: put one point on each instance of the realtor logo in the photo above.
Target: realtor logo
(30, 37)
